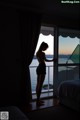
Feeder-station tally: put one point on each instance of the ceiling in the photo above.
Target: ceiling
(54, 12)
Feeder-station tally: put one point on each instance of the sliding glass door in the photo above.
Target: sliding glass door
(68, 55)
(46, 35)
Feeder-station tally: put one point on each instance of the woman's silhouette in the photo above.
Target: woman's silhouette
(41, 70)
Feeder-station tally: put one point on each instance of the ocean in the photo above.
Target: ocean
(49, 72)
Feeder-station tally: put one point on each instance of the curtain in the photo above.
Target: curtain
(29, 29)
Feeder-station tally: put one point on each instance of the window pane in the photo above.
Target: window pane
(67, 73)
(68, 50)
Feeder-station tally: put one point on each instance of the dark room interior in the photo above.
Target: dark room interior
(20, 23)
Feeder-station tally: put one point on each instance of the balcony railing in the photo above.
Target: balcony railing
(68, 72)
(47, 89)
(65, 72)
(48, 82)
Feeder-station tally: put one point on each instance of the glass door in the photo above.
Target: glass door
(46, 35)
(68, 56)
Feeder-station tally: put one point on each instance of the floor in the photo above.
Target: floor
(54, 113)
(54, 110)
(48, 102)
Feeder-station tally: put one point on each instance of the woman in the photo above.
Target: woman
(41, 70)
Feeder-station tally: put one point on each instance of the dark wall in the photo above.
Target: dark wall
(11, 77)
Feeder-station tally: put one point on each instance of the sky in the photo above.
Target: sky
(66, 44)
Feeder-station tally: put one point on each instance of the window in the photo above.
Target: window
(68, 55)
(46, 35)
